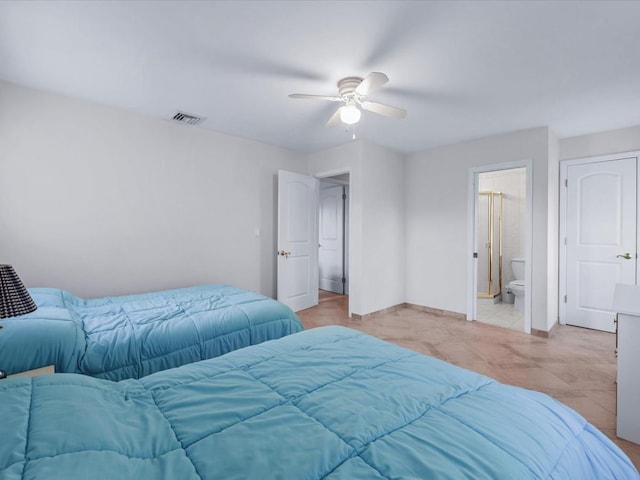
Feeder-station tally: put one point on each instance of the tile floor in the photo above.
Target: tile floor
(501, 315)
(576, 366)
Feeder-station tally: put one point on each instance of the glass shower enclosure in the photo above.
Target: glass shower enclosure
(489, 244)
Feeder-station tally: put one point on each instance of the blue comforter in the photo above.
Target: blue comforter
(325, 403)
(136, 335)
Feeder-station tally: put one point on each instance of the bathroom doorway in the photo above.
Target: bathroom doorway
(500, 247)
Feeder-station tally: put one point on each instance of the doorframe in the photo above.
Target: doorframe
(562, 227)
(472, 235)
(333, 173)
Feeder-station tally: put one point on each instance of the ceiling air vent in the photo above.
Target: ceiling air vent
(186, 118)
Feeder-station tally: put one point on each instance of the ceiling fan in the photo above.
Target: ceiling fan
(352, 92)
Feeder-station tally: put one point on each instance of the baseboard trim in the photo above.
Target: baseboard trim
(543, 333)
(443, 313)
(367, 316)
(436, 311)
(413, 306)
(539, 333)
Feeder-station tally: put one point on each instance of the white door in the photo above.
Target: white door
(331, 237)
(601, 239)
(297, 240)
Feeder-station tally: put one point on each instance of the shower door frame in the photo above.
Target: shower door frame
(472, 236)
(491, 234)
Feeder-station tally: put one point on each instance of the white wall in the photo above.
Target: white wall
(602, 143)
(101, 201)
(377, 221)
(436, 218)
(383, 229)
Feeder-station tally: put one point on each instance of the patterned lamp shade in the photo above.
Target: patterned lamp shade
(14, 298)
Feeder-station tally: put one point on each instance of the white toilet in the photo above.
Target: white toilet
(517, 286)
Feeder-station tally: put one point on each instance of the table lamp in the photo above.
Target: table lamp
(14, 298)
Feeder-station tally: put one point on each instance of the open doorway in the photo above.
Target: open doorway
(501, 242)
(333, 238)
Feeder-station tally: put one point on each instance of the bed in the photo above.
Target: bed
(326, 403)
(132, 336)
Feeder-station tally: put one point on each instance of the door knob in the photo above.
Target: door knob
(284, 254)
(626, 256)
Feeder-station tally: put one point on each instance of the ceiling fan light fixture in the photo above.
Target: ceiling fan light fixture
(350, 114)
(352, 91)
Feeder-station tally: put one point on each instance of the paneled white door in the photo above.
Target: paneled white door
(600, 237)
(297, 240)
(331, 241)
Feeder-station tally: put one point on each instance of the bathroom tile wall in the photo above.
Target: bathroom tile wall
(512, 183)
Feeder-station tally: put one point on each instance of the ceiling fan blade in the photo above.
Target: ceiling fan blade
(316, 97)
(335, 118)
(385, 110)
(373, 81)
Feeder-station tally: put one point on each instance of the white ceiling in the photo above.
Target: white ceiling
(463, 70)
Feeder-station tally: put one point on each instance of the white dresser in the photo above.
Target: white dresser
(627, 304)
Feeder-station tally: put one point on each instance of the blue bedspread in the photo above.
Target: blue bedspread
(136, 335)
(325, 403)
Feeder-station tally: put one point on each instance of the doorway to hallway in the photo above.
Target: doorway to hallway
(333, 236)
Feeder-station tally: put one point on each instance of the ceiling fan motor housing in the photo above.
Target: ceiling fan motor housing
(348, 85)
